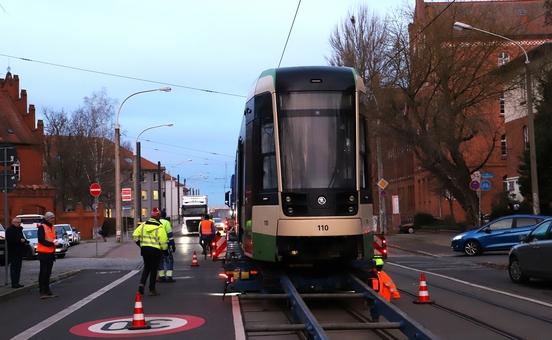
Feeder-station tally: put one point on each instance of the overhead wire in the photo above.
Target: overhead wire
(289, 33)
(110, 74)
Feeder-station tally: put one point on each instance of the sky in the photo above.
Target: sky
(220, 46)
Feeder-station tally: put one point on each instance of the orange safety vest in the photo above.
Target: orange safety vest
(385, 286)
(206, 228)
(49, 235)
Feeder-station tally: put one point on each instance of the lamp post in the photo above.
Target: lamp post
(530, 117)
(136, 176)
(118, 165)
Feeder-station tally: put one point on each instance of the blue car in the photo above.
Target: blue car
(499, 234)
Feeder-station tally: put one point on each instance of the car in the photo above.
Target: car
(499, 234)
(30, 220)
(76, 235)
(532, 257)
(31, 234)
(2, 244)
(69, 232)
(2, 232)
(220, 225)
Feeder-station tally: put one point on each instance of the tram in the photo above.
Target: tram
(302, 179)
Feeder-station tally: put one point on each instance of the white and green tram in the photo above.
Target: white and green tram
(302, 183)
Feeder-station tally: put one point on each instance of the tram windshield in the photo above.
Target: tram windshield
(317, 140)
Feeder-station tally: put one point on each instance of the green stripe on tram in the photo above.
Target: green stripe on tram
(264, 248)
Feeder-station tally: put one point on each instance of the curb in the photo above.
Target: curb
(20, 291)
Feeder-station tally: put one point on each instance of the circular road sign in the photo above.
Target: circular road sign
(474, 185)
(117, 327)
(95, 189)
(486, 185)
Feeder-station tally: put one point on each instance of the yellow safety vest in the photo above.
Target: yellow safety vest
(151, 234)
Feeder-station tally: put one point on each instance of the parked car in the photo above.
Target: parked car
(71, 236)
(531, 258)
(31, 234)
(499, 234)
(76, 235)
(30, 220)
(2, 244)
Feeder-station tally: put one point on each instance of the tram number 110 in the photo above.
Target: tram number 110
(323, 227)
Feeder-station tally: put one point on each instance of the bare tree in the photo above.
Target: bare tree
(444, 81)
(79, 150)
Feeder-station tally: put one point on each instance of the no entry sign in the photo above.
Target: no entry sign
(117, 327)
(95, 189)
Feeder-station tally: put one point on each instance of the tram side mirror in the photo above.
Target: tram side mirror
(227, 198)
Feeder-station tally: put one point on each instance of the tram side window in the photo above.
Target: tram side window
(263, 112)
(365, 185)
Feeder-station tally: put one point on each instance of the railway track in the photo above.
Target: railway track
(354, 314)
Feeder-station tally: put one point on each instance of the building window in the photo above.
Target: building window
(144, 212)
(501, 104)
(144, 195)
(155, 195)
(503, 58)
(503, 147)
(142, 176)
(16, 167)
(155, 177)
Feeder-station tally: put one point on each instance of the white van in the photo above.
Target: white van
(30, 220)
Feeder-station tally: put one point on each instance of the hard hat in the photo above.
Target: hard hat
(155, 213)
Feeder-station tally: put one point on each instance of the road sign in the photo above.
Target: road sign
(382, 184)
(474, 185)
(476, 176)
(486, 185)
(126, 194)
(117, 327)
(95, 189)
(487, 175)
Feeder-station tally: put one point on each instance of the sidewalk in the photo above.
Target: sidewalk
(435, 242)
(89, 254)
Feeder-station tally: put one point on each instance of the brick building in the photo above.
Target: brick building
(18, 129)
(417, 190)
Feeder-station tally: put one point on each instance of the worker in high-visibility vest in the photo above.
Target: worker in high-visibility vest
(383, 284)
(152, 239)
(207, 232)
(167, 262)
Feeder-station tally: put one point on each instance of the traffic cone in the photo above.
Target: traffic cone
(194, 260)
(423, 293)
(138, 319)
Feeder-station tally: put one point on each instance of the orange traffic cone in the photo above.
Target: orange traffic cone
(138, 319)
(423, 293)
(194, 260)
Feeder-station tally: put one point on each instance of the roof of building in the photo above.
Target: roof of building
(17, 123)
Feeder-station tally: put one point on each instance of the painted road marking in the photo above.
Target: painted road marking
(117, 327)
(67, 311)
(239, 331)
(475, 285)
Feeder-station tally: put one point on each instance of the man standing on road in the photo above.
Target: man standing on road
(167, 262)
(46, 249)
(17, 244)
(207, 231)
(152, 239)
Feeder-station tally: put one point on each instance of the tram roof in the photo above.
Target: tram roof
(267, 80)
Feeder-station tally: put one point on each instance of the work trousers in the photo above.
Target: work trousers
(15, 269)
(152, 257)
(167, 265)
(46, 264)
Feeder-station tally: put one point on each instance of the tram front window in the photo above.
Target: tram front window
(317, 139)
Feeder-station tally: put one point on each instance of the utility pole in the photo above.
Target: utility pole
(159, 195)
(178, 197)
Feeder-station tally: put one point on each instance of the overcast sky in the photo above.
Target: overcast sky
(215, 45)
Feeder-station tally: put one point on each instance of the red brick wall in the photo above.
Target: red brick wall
(82, 220)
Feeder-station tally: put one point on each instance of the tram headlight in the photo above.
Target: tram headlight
(288, 199)
(351, 209)
(352, 198)
(290, 210)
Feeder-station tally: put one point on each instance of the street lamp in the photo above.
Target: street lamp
(118, 165)
(137, 171)
(530, 117)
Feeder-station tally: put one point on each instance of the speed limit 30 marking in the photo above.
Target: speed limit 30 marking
(117, 327)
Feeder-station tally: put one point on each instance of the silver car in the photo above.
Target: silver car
(72, 236)
(531, 258)
(31, 234)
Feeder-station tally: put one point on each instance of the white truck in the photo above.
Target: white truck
(192, 210)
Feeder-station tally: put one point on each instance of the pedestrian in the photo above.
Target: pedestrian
(103, 233)
(46, 249)
(152, 239)
(17, 246)
(167, 261)
(207, 231)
